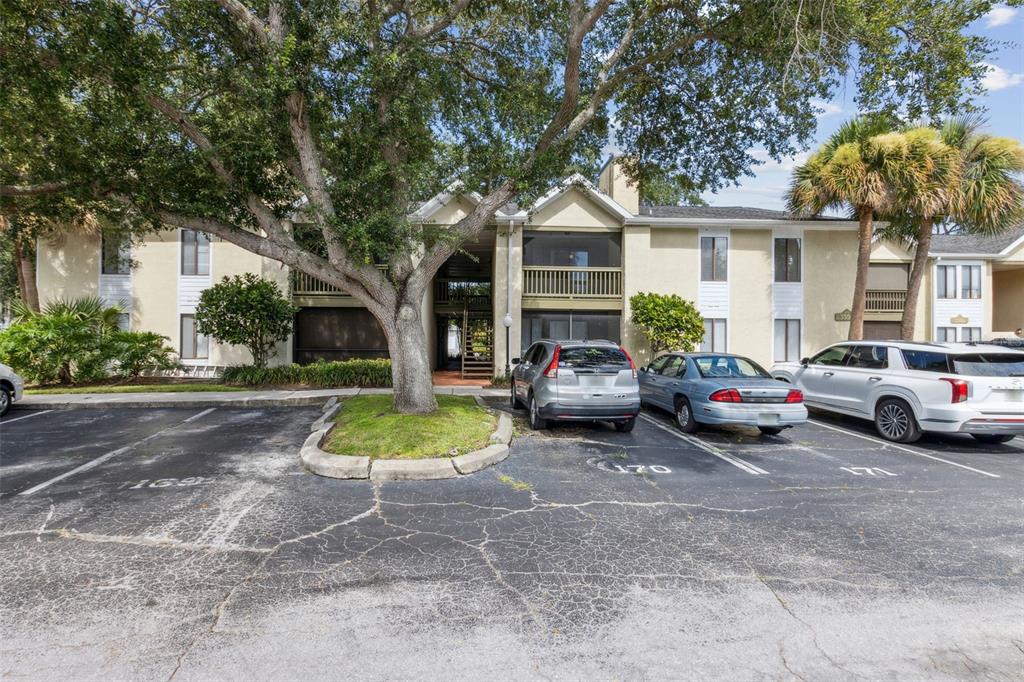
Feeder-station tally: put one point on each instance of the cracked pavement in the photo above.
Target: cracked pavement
(201, 550)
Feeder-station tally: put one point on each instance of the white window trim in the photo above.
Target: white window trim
(189, 309)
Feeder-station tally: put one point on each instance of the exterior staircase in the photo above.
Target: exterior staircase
(477, 345)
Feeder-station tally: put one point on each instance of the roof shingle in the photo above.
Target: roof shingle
(721, 212)
(976, 243)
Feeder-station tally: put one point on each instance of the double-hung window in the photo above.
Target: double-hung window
(787, 340)
(787, 259)
(945, 281)
(970, 281)
(194, 346)
(945, 334)
(116, 260)
(714, 336)
(714, 258)
(970, 334)
(195, 253)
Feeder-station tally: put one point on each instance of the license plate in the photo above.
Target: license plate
(768, 419)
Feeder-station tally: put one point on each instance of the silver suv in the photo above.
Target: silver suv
(577, 381)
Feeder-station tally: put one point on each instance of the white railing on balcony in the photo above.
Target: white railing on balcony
(885, 300)
(307, 285)
(567, 282)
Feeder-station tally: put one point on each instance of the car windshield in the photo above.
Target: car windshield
(989, 364)
(729, 367)
(592, 356)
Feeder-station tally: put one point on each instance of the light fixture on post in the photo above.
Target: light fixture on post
(507, 321)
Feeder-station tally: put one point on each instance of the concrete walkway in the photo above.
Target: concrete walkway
(62, 401)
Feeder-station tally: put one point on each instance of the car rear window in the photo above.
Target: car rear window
(989, 364)
(592, 357)
(729, 367)
(926, 360)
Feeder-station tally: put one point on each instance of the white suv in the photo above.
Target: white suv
(908, 387)
(11, 387)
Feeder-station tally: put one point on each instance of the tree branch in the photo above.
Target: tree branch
(32, 190)
(248, 21)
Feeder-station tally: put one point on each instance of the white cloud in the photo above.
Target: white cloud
(769, 164)
(999, 15)
(997, 78)
(826, 108)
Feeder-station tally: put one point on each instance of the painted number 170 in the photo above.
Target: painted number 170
(641, 468)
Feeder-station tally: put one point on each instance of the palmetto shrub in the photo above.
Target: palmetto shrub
(361, 373)
(75, 340)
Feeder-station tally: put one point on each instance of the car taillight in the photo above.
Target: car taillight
(959, 389)
(552, 371)
(632, 365)
(726, 395)
(794, 396)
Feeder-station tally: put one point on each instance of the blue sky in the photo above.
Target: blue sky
(1003, 99)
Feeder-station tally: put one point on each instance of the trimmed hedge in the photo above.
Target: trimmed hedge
(356, 373)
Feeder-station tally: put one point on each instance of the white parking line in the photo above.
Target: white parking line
(710, 449)
(27, 416)
(902, 448)
(113, 453)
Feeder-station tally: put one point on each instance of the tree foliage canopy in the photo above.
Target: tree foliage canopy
(225, 117)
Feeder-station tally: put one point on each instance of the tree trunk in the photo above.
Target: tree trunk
(924, 240)
(26, 277)
(864, 233)
(410, 361)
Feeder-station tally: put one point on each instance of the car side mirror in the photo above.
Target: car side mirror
(643, 369)
(516, 361)
(805, 361)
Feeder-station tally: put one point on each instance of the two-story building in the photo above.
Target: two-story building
(768, 286)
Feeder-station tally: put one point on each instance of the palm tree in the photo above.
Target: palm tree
(848, 171)
(959, 175)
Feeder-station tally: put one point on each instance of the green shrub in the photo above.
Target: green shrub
(133, 353)
(359, 373)
(55, 347)
(246, 310)
(668, 321)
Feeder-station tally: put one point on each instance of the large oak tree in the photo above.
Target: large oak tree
(225, 117)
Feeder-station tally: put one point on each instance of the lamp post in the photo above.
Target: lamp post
(508, 335)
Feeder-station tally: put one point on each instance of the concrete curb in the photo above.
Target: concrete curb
(429, 469)
(83, 401)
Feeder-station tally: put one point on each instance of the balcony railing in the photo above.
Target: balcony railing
(460, 292)
(307, 285)
(567, 282)
(885, 300)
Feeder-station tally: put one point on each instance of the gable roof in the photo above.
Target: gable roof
(982, 245)
(579, 182)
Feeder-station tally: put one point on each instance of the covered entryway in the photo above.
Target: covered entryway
(337, 334)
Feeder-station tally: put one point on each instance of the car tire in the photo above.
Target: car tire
(536, 421)
(625, 426)
(514, 402)
(992, 438)
(5, 400)
(684, 416)
(770, 430)
(894, 420)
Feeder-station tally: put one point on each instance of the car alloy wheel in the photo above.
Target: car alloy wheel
(683, 413)
(5, 401)
(893, 421)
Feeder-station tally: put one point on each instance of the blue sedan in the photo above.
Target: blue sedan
(718, 388)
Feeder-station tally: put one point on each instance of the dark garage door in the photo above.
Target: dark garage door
(337, 334)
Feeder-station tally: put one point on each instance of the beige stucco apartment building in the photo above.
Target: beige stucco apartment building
(768, 286)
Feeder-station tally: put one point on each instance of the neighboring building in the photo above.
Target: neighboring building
(769, 286)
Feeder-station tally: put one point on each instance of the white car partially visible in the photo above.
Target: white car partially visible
(907, 388)
(11, 387)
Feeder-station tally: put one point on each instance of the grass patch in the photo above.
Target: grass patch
(516, 485)
(135, 388)
(366, 425)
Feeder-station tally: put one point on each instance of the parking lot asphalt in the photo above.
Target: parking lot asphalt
(190, 544)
